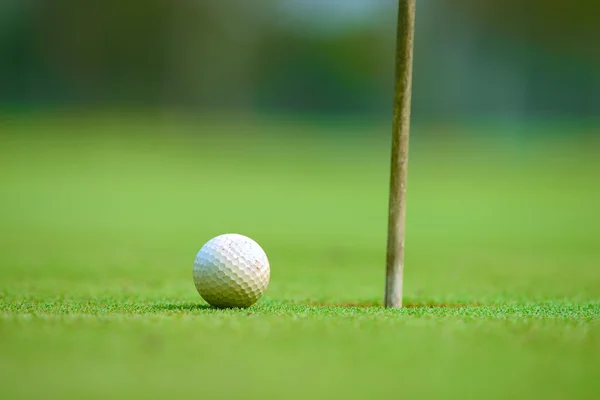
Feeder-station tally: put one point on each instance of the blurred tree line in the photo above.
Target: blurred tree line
(474, 59)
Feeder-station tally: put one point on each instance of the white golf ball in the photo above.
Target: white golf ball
(231, 270)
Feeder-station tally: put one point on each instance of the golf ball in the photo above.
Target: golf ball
(231, 270)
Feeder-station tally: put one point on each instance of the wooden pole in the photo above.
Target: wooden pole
(400, 134)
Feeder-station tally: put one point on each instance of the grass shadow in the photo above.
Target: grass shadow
(186, 307)
(407, 304)
(182, 307)
(410, 304)
(191, 307)
(360, 304)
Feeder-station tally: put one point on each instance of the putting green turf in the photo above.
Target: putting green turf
(101, 218)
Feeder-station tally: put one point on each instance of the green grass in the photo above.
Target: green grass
(101, 218)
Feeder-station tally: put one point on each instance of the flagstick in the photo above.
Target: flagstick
(400, 134)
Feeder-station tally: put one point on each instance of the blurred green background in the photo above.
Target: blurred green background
(503, 60)
(133, 132)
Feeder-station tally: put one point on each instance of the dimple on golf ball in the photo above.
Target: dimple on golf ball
(231, 270)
